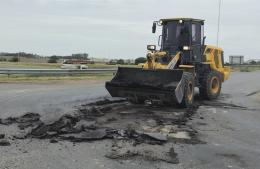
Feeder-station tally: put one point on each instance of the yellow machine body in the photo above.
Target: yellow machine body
(170, 74)
(213, 56)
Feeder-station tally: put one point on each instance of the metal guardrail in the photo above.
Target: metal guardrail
(55, 71)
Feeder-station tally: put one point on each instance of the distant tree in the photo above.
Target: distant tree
(140, 60)
(226, 64)
(79, 56)
(2, 59)
(14, 59)
(20, 54)
(112, 62)
(129, 62)
(120, 62)
(53, 59)
(253, 62)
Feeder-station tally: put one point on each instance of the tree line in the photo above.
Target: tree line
(19, 54)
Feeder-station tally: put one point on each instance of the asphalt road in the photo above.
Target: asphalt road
(51, 99)
(231, 134)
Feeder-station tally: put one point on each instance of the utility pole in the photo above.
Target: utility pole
(219, 15)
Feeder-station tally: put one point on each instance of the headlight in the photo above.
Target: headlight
(151, 47)
(186, 48)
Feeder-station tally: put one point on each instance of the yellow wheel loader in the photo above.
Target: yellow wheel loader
(171, 73)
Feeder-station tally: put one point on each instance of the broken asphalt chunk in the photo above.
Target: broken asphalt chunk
(4, 142)
(156, 136)
(150, 155)
(89, 135)
(53, 141)
(2, 136)
(83, 124)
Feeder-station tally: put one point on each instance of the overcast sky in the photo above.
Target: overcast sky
(120, 28)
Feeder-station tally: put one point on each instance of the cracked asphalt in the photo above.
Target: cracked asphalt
(231, 133)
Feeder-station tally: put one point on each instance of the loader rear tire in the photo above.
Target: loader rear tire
(210, 86)
(188, 96)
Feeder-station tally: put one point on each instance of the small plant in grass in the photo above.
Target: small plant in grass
(53, 59)
(120, 62)
(245, 69)
(3, 60)
(14, 59)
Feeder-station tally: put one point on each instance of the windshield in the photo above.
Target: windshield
(172, 32)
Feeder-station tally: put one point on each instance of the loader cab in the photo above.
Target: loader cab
(182, 34)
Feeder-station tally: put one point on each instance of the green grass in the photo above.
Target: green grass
(29, 65)
(245, 68)
(34, 65)
(49, 78)
(43, 78)
(102, 65)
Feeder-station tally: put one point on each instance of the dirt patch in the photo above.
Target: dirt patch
(125, 150)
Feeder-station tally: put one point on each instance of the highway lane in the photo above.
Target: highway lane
(231, 134)
(46, 98)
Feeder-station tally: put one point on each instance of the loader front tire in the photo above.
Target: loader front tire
(210, 86)
(137, 101)
(188, 93)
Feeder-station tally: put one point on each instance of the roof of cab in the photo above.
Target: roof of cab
(184, 19)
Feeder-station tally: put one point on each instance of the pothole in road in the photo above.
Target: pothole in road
(137, 131)
(134, 129)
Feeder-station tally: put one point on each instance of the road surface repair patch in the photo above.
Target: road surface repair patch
(136, 131)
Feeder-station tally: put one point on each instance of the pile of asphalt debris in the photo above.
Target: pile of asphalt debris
(3, 141)
(139, 125)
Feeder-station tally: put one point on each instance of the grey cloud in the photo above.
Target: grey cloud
(120, 28)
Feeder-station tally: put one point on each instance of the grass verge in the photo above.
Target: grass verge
(28, 65)
(34, 65)
(49, 78)
(245, 68)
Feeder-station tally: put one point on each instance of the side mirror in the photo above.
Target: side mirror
(154, 27)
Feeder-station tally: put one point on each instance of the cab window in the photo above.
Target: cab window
(196, 33)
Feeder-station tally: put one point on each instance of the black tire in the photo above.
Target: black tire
(137, 101)
(210, 85)
(188, 96)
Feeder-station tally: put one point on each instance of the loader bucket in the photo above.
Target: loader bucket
(142, 84)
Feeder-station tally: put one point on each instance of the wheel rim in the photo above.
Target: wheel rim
(214, 85)
(190, 91)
